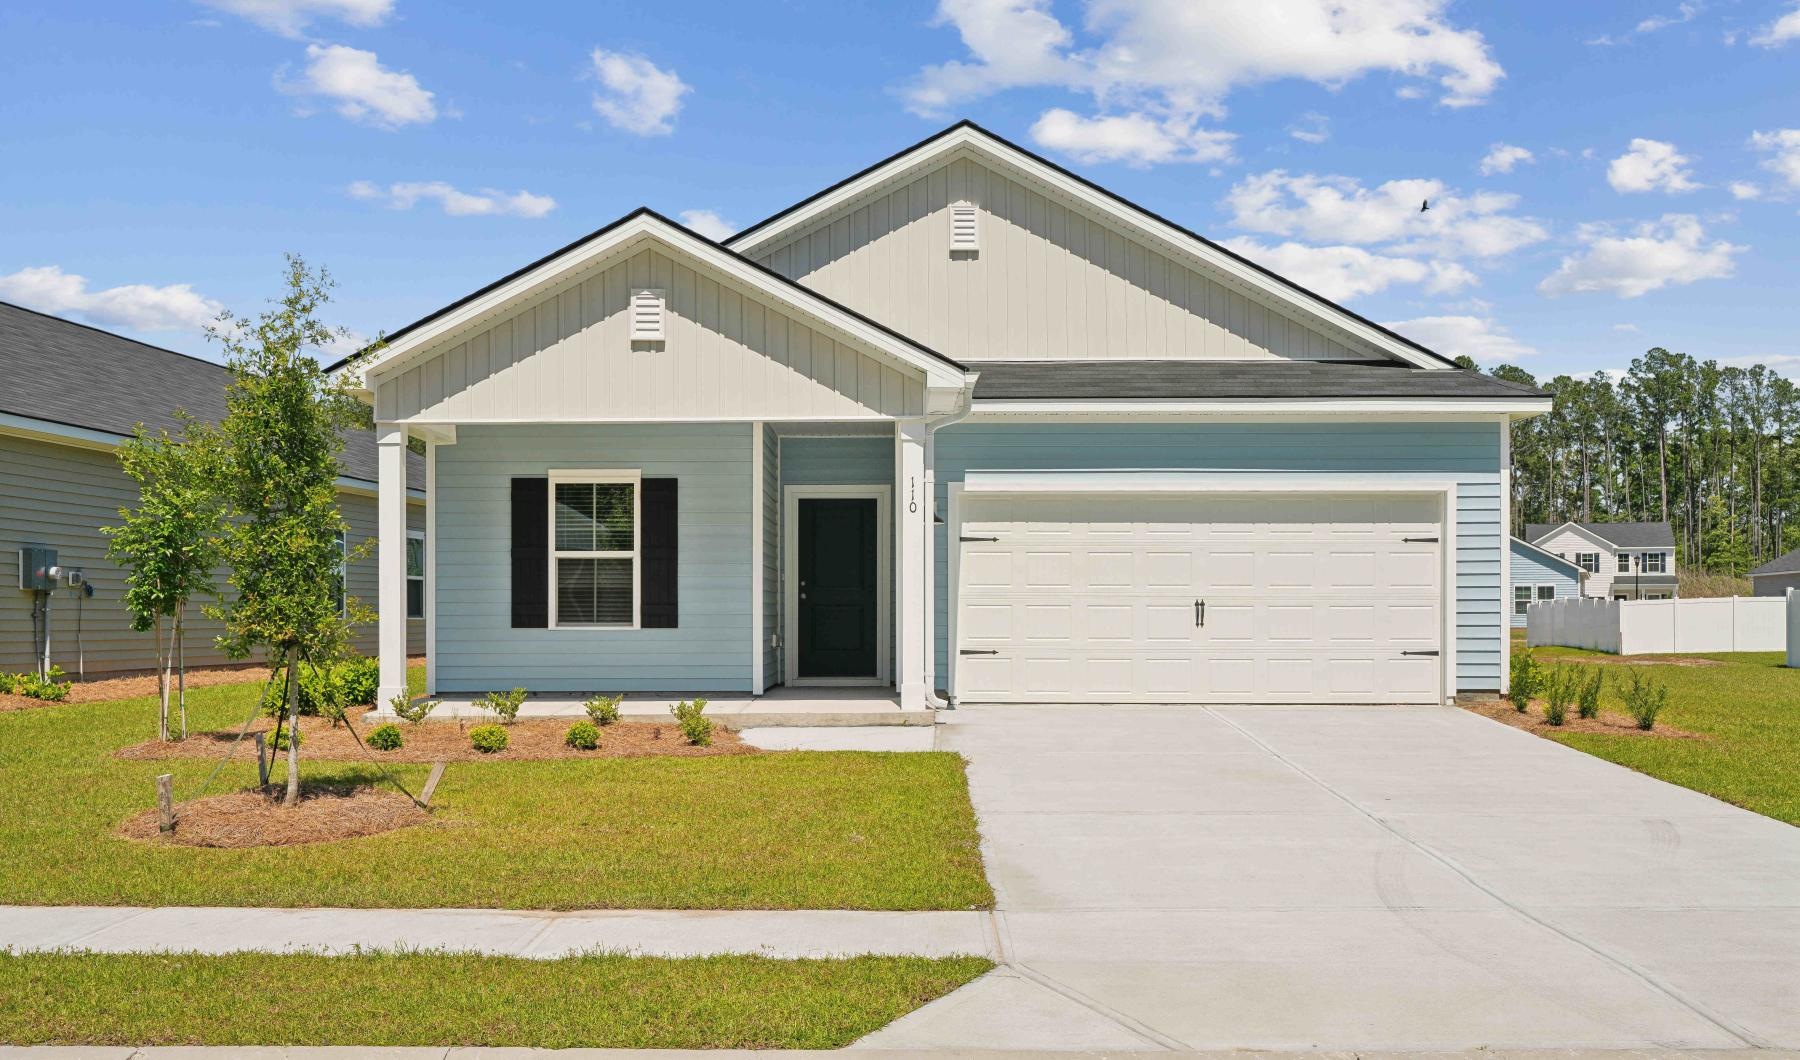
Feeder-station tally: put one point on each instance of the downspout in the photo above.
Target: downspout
(930, 573)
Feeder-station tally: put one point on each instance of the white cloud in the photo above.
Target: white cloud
(637, 95)
(290, 18)
(1503, 158)
(708, 224)
(1683, 13)
(1783, 148)
(487, 202)
(1650, 165)
(1175, 61)
(365, 91)
(1457, 336)
(1137, 139)
(1627, 329)
(1656, 254)
(1342, 273)
(1743, 189)
(1780, 31)
(140, 307)
(1333, 209)
(1312, 128)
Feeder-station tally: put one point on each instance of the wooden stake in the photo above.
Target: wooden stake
(262, 760)
(431, 783)
(165, 802)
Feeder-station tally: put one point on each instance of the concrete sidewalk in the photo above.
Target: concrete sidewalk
(648, 933)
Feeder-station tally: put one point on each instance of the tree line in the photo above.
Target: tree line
(1712, 449)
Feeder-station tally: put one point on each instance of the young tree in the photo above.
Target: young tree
(170, 543)
(279, 444)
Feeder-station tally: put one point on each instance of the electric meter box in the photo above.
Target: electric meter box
(34, 568)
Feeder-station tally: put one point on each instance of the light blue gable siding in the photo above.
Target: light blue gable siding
(1467, 452)
(478, 649)
(1530, 567)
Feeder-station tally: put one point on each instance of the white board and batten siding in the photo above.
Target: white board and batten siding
(1046, 282)
(1662, 627)
(1222, 598)
(569, 356)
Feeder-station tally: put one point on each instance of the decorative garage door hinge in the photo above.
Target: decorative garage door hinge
(973, 651)
(978, 538)
(1412, 540)
(1431, 652)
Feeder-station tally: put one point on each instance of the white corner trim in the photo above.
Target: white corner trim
(757, 491)
(791, 496)
(431, 623)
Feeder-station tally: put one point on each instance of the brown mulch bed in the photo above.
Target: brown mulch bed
(447, 741)
(256, 818)
(1611, 724)
(131, 684)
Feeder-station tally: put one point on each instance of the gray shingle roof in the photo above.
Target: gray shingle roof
(1178, 380)
(79, 376)
(1622, 535)
(1786, 563)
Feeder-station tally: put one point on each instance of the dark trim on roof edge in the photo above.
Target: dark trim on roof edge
(1115, 197)
(645, 211)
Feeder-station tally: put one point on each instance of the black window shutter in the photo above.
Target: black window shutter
(530, 553)
(660, 521)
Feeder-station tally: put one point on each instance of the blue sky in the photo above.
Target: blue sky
(1604, 177)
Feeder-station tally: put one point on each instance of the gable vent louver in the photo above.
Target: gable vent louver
(647, 314)
(964, 234)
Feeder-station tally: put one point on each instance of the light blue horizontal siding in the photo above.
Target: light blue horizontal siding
(1529, 567)
(848, 461)
(1466, 452)
(712, 649)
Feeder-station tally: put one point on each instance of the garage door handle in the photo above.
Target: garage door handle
(1200, 614)
(973, 651)
(1431, 652)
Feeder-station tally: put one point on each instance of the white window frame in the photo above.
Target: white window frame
(1540, 595)
(424, 550)
(1624, 566)
(1521, 606)
(634, 478)
(1588, 561)
(1662, 563)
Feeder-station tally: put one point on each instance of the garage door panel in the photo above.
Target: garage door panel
(1307, 599)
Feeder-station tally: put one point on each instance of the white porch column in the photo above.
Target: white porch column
(912, 509)
(390, 558)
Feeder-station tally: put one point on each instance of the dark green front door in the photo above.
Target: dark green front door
(838, 609)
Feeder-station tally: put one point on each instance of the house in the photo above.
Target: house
(964, 425)
(1537, 576)
(1622, 561)
(70, 394)
(1777, 576)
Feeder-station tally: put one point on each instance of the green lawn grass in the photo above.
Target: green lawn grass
(439, 999)
(795, 830)
(1748, 707)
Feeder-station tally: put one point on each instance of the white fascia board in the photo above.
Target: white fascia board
(626, 237)
(1125, 481)
(1257, 407)
(1182, 243)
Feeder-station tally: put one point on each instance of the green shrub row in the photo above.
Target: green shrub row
(1563, 686)
(51, 689)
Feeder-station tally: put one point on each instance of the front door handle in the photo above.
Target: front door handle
(1199, 614)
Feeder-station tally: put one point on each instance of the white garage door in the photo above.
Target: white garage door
(1225, 598)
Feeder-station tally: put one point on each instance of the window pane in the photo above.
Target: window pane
(415, 557)
(593, 592)
(415, 599)
(594, 516)
(1521, 598)
(1624, 562)
(1546, 592)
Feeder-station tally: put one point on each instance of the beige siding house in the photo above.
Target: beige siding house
(1619, 561)
(72, 394)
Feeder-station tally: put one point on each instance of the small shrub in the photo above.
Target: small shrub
(285, 734)
(1561, 685)
(1526, 678)
(488, 738)
(697, 728)
(1645, 697)
(385, 737)
(1587, 704)
(51, 689)
(583, 736)
(603, 710)
(357, 680)
(411, 710)
(503, 705)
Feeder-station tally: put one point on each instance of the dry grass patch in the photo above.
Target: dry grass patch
(528, 740)
(256, 818)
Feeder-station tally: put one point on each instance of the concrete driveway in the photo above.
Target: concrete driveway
(1358, 878)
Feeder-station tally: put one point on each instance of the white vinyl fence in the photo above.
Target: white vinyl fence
(1651, 627)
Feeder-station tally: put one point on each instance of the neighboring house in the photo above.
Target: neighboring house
(1623, 561)
(963, 424)
(1538, 576)
(1777, 576)
(69, 394)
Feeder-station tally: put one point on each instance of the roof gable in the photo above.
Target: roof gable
(1614, 535)
(1549, 558)
(965, 140)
